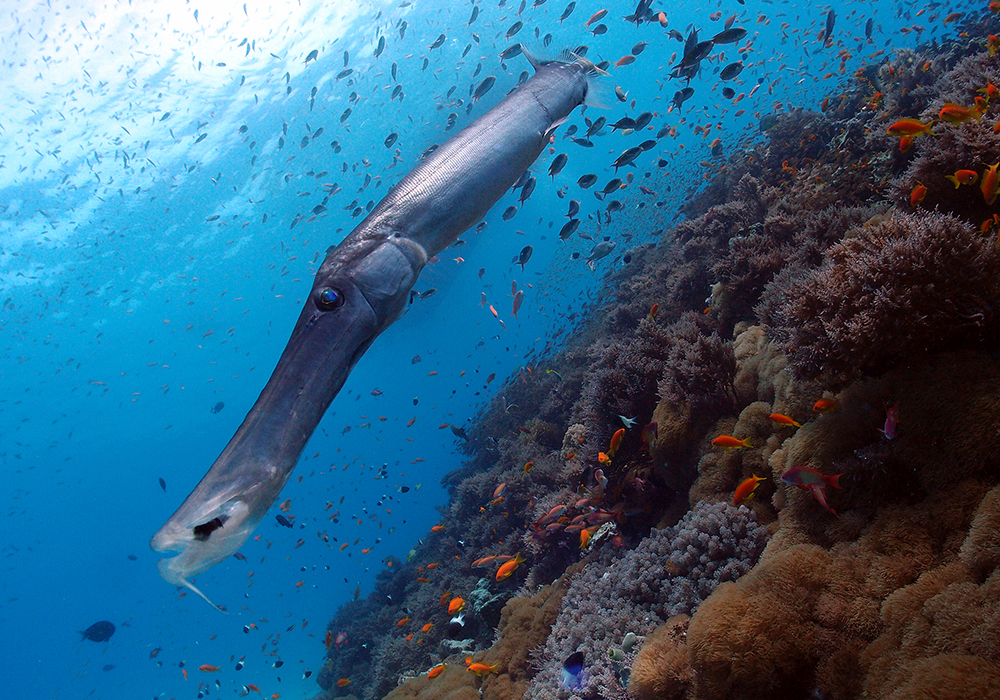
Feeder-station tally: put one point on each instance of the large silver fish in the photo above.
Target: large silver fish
(361, 288)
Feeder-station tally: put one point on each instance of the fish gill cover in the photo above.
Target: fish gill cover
(171, 177)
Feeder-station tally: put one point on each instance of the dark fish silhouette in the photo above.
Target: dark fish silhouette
(163, 485)
(282, 520)
(729, 36)
(438, 42)
(218, 407)
(524, 256)
(98, 632)
(732, 70)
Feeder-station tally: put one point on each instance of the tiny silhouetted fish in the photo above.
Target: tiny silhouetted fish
(557, 164)
(569, 228)
(132, 557)
(98, 632)
(484, 87)
(391, 139)
(511, 52)
(831, 17)
(381, 46)
(438, 42)
(282, 520)
(524, 256)
(312, 55)
(729, 36)
(107, 667)
(459, 432)
(731, 71)
(509, 213)
(218, 407)
(163, 485)
(586, 181)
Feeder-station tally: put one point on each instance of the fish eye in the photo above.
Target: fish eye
(329, 299)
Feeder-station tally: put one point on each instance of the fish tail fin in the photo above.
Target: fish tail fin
(834, 480)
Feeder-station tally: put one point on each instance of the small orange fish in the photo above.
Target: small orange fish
(251, 686)
(625, 60)
(652, 311)
(208, 668)
(528, 466)
(481, 669)
(990, 183)
(402, 622)
(992, 43)
(917, 194)
(957, 114)
(747, 489)
(455, 606)
(437, 528)
(782, 419)
(963, 177)
(505, 571)
(826, 406)
(603, 458)
(185, 672)
(427, 628)
(616, 441)
(905, 144)
(343, 682)
(436, 670)
(910, 127)
(728, 442)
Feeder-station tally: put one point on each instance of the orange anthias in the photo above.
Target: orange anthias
(910, 127)
(728, 442)
(782, 419)
(455, 606)
(963, 177)
(509, 567)
(989, 184)
(747, 489)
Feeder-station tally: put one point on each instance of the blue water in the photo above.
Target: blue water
(127, 315)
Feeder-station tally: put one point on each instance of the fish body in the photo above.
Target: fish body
(361, 288)
(601, 250)
(508, 568)
(728, 442)
(910, 127)
(747, 489)
(891, 426)
(813, 480)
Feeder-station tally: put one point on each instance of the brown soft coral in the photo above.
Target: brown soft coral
(910, 285)
(662, 670)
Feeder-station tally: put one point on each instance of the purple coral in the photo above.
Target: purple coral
(668, 573)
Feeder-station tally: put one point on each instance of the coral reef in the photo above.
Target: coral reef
(667, 574)
(802, 272)
(911, 284)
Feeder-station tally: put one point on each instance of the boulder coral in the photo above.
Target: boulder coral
(902, 584)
